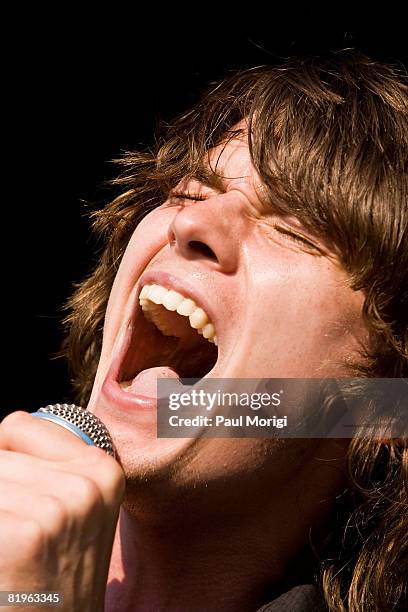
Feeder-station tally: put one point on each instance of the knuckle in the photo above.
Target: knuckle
(95, 455)
(14, 418)
(117, 477)
(30, 540)
(55, 513)
(112, 477)
(87, 494)
(120, 480)
(106, 473)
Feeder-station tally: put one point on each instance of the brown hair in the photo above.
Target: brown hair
(329, 138)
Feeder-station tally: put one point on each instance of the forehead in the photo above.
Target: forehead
(231, 158)
(228, 164)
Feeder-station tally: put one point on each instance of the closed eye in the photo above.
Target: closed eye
(297, 237)
(196, 197)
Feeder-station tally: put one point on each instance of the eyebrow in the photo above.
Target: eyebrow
(209, 178)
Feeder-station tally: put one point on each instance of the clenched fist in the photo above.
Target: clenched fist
(59, 505)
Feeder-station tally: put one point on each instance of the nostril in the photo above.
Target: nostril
(202, 248)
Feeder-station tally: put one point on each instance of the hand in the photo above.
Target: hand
(59, 505)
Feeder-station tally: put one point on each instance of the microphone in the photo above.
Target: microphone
(80, 422)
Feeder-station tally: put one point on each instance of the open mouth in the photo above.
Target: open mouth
(172, 332)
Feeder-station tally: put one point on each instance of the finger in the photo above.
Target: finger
(15, 534)
(31, 561)
(79, 510)
(22, 432)
(78, 491)
(48, 476)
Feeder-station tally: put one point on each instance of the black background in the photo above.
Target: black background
(78, 90)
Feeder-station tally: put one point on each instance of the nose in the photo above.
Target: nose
(209, 231)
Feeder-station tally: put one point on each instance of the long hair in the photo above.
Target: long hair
(329, 138)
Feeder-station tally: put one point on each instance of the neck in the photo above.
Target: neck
(231, 566)
(228, 555)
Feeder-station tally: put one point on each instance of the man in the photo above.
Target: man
(273, 219)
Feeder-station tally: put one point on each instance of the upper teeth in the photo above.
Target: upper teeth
(152, 296)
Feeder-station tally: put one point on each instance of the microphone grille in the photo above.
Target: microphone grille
(86, 421)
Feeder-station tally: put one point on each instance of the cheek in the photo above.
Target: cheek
(309, 307)
(148, 239)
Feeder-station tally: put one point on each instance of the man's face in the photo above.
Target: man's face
(275, 293)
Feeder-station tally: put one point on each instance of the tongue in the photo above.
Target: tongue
(145, 383)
